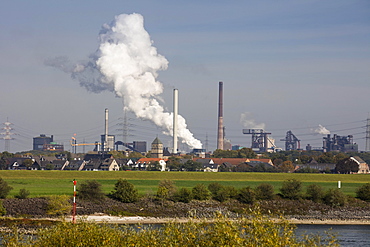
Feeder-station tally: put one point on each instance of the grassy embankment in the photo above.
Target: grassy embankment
(41, 183)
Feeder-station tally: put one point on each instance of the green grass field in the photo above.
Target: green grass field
(41, 183)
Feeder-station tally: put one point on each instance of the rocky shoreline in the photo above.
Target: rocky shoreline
(149, 211)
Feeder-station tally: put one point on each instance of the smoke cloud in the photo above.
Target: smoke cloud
(247, 120)
(322, 130)
(127, 64)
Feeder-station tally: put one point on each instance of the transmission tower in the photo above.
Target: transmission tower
(367, 149)
(7, 134)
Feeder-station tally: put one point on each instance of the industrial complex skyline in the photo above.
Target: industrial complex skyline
(285, 66)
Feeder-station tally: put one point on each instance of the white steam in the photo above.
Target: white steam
(247, 120)
(127, 63)
(322, 130)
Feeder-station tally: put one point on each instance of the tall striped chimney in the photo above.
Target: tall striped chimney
(220, 132)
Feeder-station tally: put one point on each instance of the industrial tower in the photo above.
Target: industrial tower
(367, 149)
(291, 141)
(7, 135)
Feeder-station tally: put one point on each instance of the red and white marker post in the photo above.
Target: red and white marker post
(74, 202)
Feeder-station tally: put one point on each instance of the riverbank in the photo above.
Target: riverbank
(155, 220)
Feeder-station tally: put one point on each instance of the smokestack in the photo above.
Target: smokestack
(175, 113)
(106, 131)
(220, 132)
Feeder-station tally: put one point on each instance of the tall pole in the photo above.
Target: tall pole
(220, 132)
(367, 149)
(175, 115)
(74, 202)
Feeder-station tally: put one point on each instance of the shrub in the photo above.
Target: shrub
(247, 195)
(4, 188)
(225, 193)
(166, 189)
(214, 188)
(335, 198)
(90, 190)
(363, 192)
(291, 189)
(315, 193)
(2, 209)
(256, 230)
(124, 191)
(23, 194)
(58, 205)
(183, 195)
(200, 192)
(264, 192)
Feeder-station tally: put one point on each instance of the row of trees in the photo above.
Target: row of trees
(126, 192)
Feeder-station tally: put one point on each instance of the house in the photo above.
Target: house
(75, 165)
(92, 165)
(208, 164)
(144, 163)
(322, 167)
(27, 163)
(109, 165)
(363, 167)
(60, 164)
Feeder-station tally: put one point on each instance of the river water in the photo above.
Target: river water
(347, 235)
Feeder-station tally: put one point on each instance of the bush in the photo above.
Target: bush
(200, 192)
(2, 209)
(247, 195)
(166, 189)
(315, 193)
(4, 188)
(90, 190)
(335, 198)
(183, 195)
(291, 189)
(23, 194)
(226, 193)
(264, 192)
(256, 230)
(214, 188)
(59, 205)
(363, 192)
(124, 191)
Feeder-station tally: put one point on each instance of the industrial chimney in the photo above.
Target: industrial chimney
(175, 114)
(220, 132)
(105, 144)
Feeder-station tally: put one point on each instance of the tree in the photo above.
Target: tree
(135, 155)
(264, 192)
(23, 194)
(246, 153)
(90, 190)
(183, 195)
(166, 189)
(346, 166)
(291, 189)
(335, 198)
(124, 191)
(315, 193)
(286, 166)
(363, 192)
(4, 189)
(247, 195)
(27, 163)
(200, 192)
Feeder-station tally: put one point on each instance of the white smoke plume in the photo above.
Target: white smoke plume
(247, 120)
(321, 130)
(127, 64)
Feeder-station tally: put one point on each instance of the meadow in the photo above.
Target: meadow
(43, 183)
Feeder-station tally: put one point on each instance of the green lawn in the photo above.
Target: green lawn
(41, 183)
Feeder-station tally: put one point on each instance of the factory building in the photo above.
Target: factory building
(46, 143)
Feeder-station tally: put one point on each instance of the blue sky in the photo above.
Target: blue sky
(290, 65)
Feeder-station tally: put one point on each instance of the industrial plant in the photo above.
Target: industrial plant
(261, 140)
